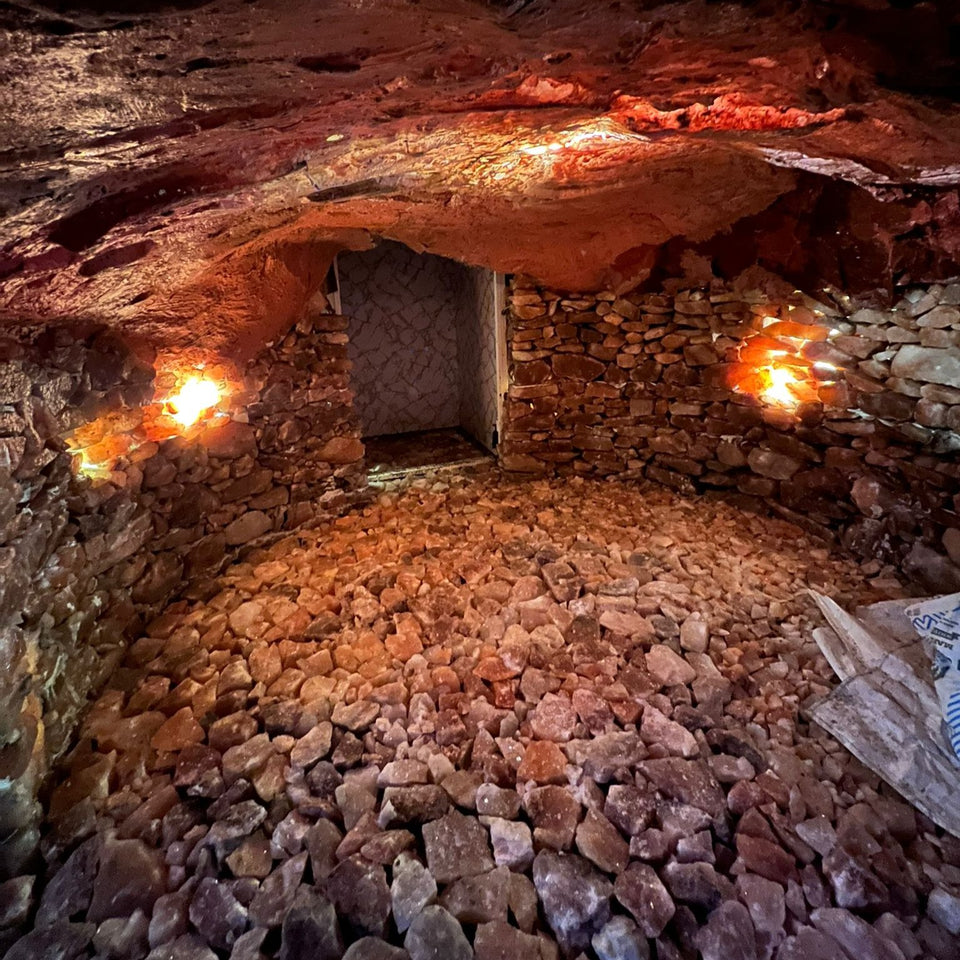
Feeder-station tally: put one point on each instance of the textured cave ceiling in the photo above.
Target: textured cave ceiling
(185, 171)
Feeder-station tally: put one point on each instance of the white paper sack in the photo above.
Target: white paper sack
(938, 621)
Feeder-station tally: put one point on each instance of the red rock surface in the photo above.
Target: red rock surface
(187, 174)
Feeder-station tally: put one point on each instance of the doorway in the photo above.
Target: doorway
(427, 344)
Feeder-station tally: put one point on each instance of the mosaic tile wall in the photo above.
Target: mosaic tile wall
(402, 310)
(421, 339)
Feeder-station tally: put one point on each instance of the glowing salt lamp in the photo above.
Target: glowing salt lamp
(778, 381)
(195, 397)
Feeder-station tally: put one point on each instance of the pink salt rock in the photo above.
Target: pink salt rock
(478, 899)
(322, 840)
(592, 709)
(600, 842)
(575, 898)
(554, 813)
(217, 914)
(418, 803)
(523, 901)
(512, 843)
(640, 890)
(892, 928)
(689, 781)
(456, 846)
(765, 903)
(122, 936)
(265, 663)
(277, 892)
(131, 876)
(412, 889)
(494, 801)
(359, 892)
(366, 948)
(628, 624)
(694, 635)
(818, 833)
(696, 883)
(499, 940)
(659, 729)
(435, 933)
(181, 730)
(385, 847)
(289, 835)
(245, 620)
(153, 809)
(621, 939)
(234, 676)
(855, 936)
(543, 762)
(364, 830)
(245, 758)
(313, 746)
(229, 439)
(668, 668)
(252, 858)
(767, 859)
(629, 808)
(553, 718)
(728, 934)
(70, 889)
(169, 919)
(231, 730)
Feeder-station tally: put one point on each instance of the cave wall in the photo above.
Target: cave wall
(642, 385)
(86, 562)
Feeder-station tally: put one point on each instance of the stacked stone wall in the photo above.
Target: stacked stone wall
(652, 385)
(102, 524)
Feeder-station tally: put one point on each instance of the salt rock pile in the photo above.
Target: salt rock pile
(488, 719)
(670, 386)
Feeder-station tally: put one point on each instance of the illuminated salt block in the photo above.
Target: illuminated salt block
(195, 397)
(796, 331)
(761, 348)
(778, 386)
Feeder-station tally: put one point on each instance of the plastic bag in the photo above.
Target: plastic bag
(938, 623)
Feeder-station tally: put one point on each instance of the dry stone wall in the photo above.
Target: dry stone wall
(84, 561)
(651, 385)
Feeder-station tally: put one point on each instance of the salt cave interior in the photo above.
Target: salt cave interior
(424, 426)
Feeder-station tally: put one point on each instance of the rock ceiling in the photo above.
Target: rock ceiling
(186, 171)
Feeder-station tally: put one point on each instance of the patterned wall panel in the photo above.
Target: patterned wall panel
(402, 309)
(422, 340)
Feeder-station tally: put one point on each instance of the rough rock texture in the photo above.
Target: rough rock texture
(204, 163)
(92, 544)
(666, 386)
(770, 839)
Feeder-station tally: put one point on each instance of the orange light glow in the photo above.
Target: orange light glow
(779, 383)
(600, 132)
(196, 397)
(777, 365)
